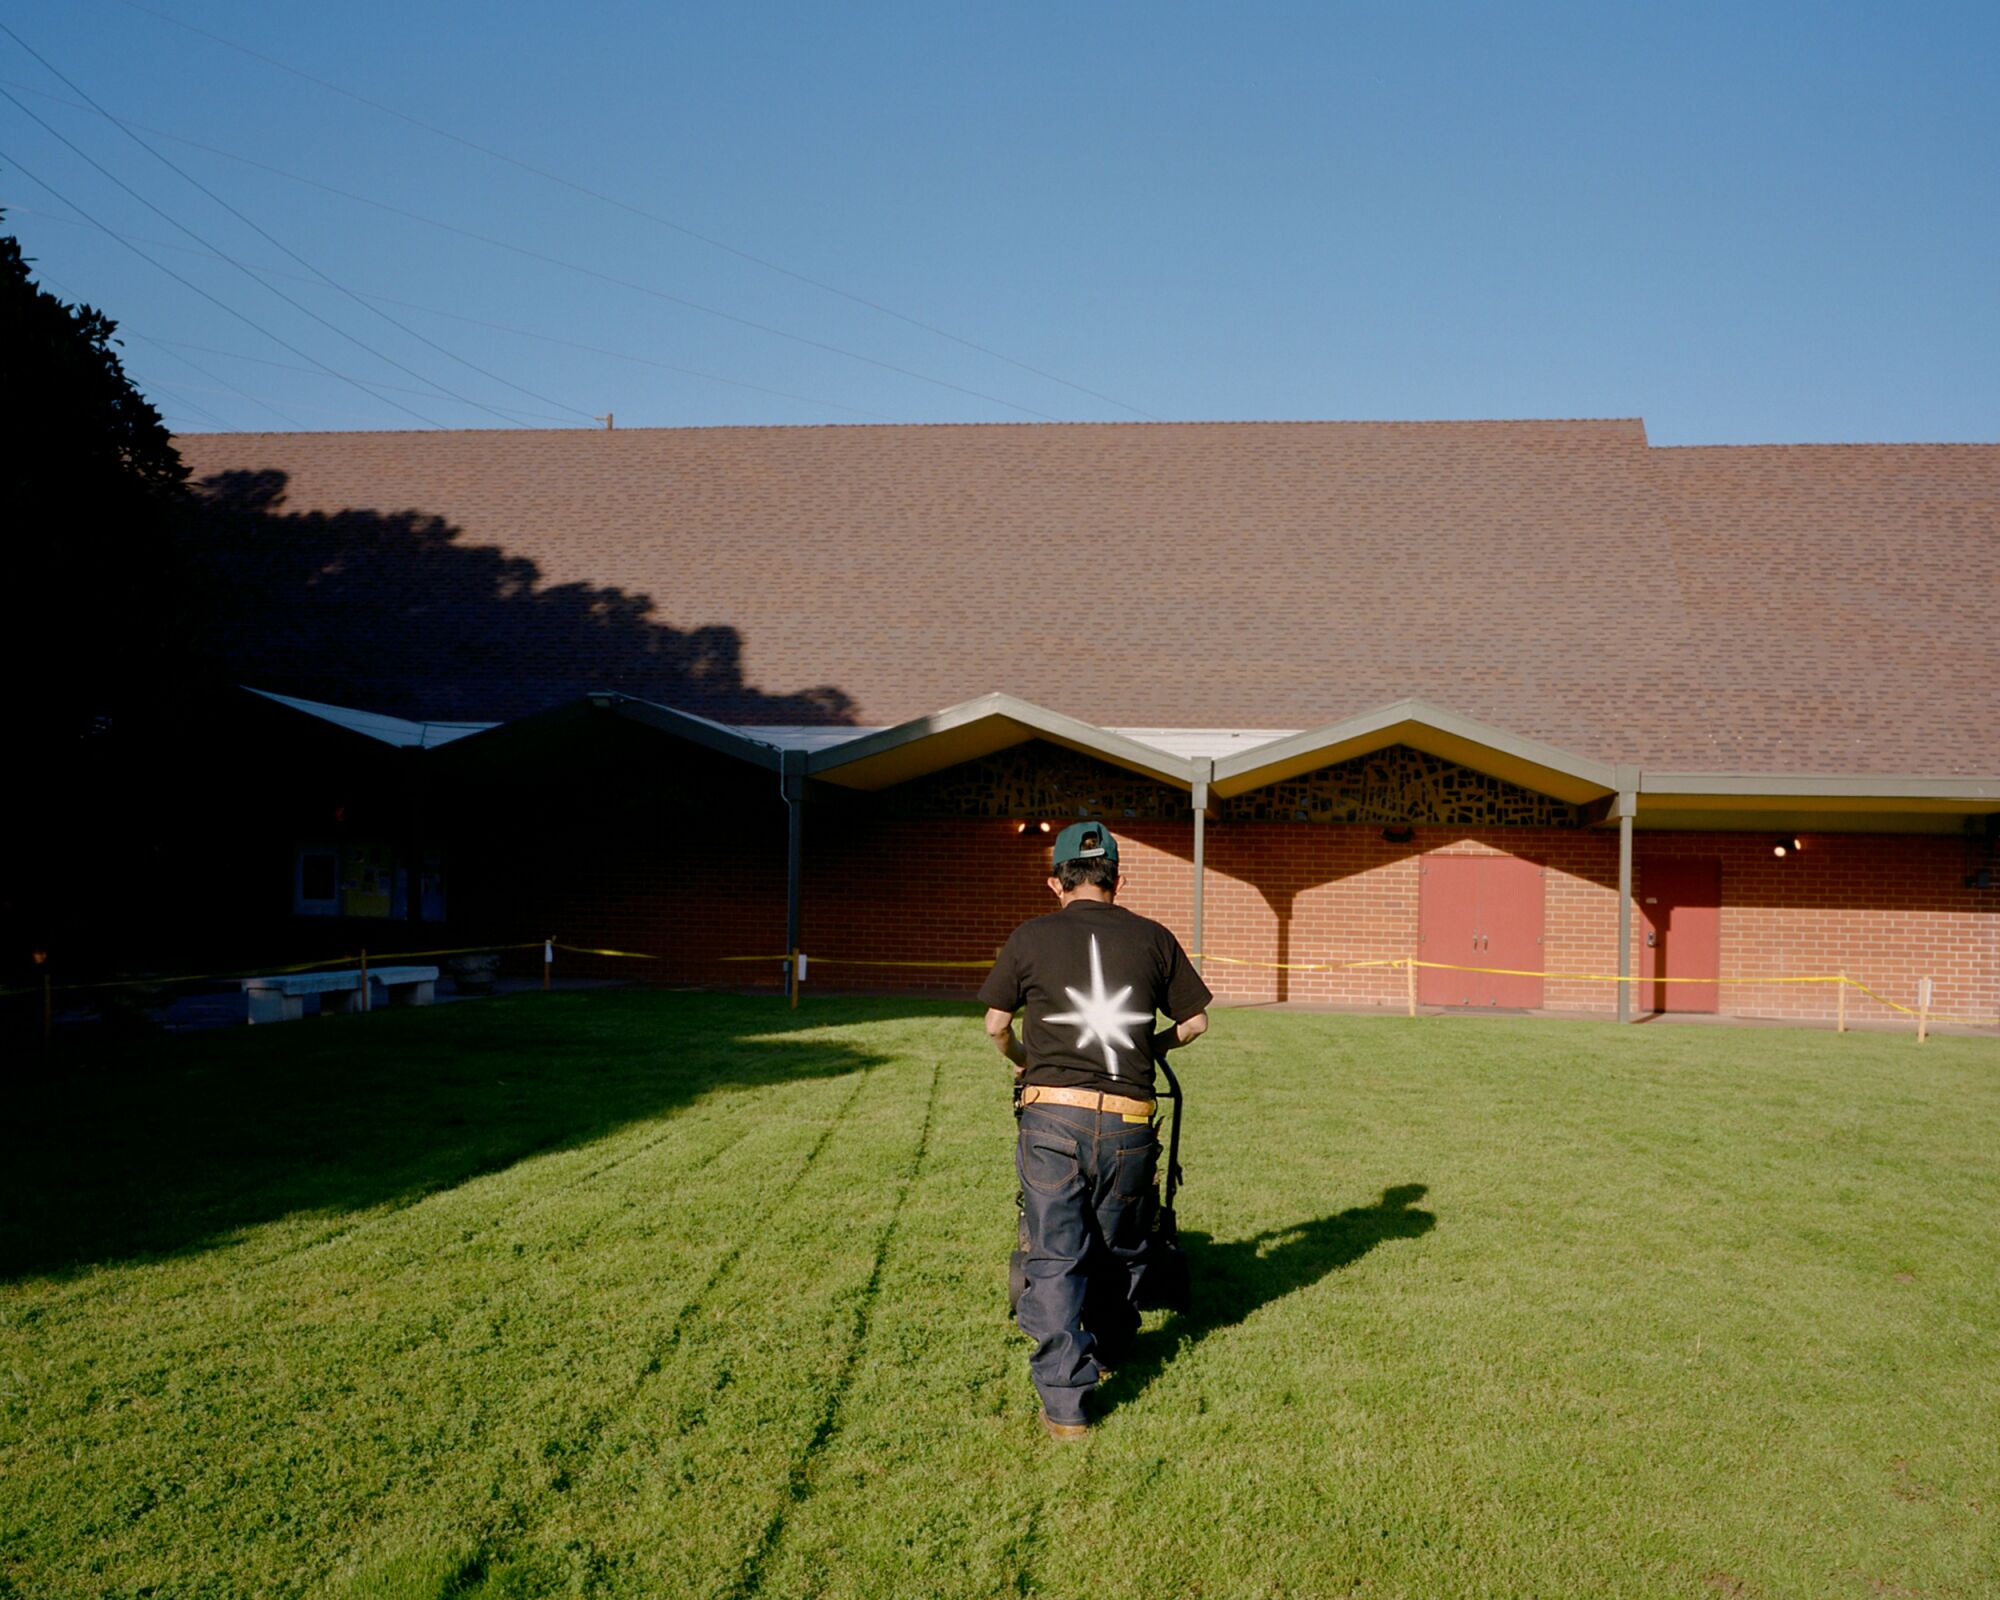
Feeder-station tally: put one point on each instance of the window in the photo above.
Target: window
(316, 881)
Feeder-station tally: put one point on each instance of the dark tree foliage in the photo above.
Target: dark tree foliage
(74, 419)
(97, 629)
(91, 480)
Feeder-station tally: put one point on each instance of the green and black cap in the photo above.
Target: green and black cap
(1086, 841)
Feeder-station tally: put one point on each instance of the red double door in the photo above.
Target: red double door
(1480, 911)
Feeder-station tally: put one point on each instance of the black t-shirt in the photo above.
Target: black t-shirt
(1091, 976)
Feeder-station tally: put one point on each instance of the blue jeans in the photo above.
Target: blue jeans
(1087, 1180)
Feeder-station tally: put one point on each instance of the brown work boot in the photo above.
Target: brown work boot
(1064, 1432)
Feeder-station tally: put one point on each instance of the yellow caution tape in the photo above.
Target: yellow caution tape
(1613, 977)
(1405, 962)
(1390, 963)
(865, 961)
(1912, 1011)
(269, 972)
(859, 961)
(1300, 966)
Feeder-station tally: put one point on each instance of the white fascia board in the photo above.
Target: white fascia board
(402, 732)
(1828, 786)
(1287, 757)
(719, 736)
(1032, 721)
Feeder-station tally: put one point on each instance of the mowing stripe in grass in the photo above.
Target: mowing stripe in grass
(499, 1520)
(672, 1338)
(798, 1482)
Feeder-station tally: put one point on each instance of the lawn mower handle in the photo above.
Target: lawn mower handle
(1173, 1132)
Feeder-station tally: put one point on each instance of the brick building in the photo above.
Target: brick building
(1441, 690)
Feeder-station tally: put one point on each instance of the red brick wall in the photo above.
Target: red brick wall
(668, 881)
(1885, 909)
(627, 841)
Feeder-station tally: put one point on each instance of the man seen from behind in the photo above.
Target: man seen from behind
(1091, 977)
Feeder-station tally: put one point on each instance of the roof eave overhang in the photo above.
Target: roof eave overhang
(1865, 804)
(1445, 734)
(684, 725)
(976, 728)
(1731, 787)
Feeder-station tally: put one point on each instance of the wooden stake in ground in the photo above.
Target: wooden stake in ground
(548, 960)
(1410, 984)
(1840, 1012)
(1923, 1009)
(364, 977)
(792, 976)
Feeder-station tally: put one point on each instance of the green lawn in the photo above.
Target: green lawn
(679, 1295)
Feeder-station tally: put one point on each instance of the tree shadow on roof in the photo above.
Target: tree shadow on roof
(393, 612)
(163, 1147)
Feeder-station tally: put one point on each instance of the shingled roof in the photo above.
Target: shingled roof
(1707, 610)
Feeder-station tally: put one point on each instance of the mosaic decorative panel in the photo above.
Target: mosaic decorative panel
(1400, 785)
(1037, 780)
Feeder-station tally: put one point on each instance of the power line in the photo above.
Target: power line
(637, 211)
(180, 397)
(286, 366)
(332, 411)
(644, 361)
(557, 261)
(264, 234)
(218, 378)
(500, 327)
(57, 284)
(295, 350)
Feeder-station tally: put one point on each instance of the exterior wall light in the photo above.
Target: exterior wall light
(1398, 835)
(1787, 846)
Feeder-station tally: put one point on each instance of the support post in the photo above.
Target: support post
(792, 780)
(548, 960)
(1628, 801)
(1410, 985)
(1840, 1006)
(1923, 1009)
(1200, 799)
(364, 977)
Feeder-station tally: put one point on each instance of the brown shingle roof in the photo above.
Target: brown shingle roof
(1798, 609)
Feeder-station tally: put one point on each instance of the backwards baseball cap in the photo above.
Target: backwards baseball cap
(1086, 841)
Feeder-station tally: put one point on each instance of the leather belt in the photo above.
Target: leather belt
(1089, 1099)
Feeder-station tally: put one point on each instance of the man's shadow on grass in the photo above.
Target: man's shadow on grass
(1244, 1275)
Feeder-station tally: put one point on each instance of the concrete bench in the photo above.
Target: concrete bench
(281, 998)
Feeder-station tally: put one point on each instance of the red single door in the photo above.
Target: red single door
(1680, 933)
(1480, 911)
(1448, 927)
(1510, 930)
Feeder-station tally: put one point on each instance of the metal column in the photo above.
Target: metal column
(793, 781)
(1200, 797)
(1627, 803)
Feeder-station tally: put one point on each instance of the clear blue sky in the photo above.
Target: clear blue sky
(1743, 222)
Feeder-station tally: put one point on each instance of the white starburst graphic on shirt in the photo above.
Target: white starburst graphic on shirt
(1097, 1017)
